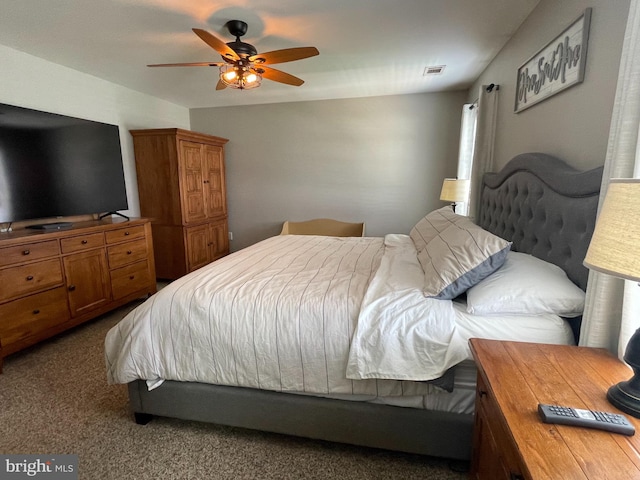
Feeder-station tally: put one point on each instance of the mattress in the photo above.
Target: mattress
(524, 328)
(546, 328)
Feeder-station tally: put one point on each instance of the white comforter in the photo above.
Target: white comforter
(401, 334)
(285, 315)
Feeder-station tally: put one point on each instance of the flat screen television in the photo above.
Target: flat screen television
(57, 166)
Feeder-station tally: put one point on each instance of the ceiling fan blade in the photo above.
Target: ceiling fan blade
(218, 45)
(221, 85)
(285, 55)
(278, 76)
(196, 64)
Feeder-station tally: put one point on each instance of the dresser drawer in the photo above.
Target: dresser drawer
(129, 279)
(81, 242)
(27, 252)
(126, 253)
(23, 318)
(29, 278)
(122, 234)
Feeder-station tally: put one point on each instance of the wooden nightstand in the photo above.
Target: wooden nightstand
(511, 442)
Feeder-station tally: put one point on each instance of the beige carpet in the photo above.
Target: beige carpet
(54, 399)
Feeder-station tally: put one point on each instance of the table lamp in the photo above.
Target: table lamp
(455, 190)
(615, 250)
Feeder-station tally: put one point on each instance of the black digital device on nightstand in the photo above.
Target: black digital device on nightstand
(611, 422)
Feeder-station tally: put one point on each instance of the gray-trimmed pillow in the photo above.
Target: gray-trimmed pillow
(460, 256)
(431, 225)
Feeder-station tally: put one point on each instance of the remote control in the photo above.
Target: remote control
(611, 422)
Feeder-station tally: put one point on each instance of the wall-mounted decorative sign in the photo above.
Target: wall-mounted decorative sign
(559, 65)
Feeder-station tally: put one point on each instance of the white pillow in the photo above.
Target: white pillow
(526, 285)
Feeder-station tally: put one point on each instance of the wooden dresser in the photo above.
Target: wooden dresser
(181, 185)
(53, 280)
(510, 440)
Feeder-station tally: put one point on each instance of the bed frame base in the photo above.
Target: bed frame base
(410, 430)
(142, 418)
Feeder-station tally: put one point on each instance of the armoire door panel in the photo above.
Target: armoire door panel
(219, 236)
(193, 182)
(214, 193)
(197, 240)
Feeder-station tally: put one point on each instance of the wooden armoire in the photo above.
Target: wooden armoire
(181, 184)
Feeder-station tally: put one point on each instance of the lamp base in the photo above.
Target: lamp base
(626, 397)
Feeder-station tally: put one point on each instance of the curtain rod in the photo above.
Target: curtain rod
(489, 89)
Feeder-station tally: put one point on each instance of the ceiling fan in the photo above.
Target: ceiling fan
(243, 67)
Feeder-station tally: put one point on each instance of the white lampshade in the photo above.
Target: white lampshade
(454, 190)
(615, 245)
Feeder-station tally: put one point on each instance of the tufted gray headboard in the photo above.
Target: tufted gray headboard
(545, 207)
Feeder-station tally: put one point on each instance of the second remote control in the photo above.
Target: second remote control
(611, 422)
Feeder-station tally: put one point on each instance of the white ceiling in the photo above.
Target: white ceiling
(367, 47)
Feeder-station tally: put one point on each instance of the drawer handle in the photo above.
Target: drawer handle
(482, 393)
(129, 252)
(72, 288)
(126, 234)
(131, 277)
(36, 311)
(26, 252)
(29, 278)
(84, 242)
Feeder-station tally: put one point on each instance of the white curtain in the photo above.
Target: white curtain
(612, 310)
(467, 143)
(483, 142)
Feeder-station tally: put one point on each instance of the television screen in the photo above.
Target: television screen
(55, 166)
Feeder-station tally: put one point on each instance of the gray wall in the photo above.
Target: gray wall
(573, 124)
(380, 160)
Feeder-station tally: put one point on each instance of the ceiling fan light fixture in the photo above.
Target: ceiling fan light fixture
(239, 76)
(229, 75)
(243, 68)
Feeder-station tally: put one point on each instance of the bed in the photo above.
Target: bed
(355, 342)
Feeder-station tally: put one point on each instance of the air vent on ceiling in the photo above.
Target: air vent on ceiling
(436, 70)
